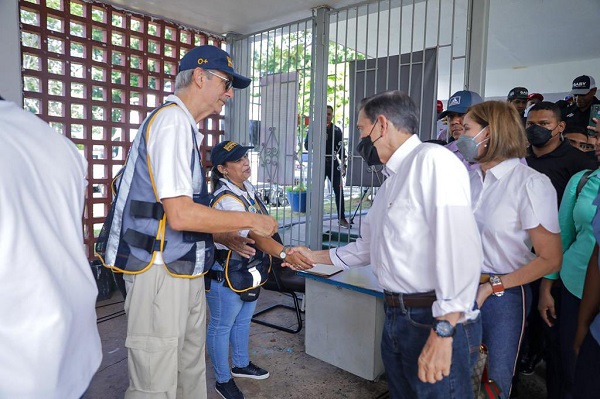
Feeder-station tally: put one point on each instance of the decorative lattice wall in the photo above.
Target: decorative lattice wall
(93, 72)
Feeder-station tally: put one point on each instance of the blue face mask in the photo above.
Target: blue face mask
(468, 147)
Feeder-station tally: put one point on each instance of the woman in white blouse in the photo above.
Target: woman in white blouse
(515, 209)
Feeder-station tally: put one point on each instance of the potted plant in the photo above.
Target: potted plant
(297, 194)
(297, 198)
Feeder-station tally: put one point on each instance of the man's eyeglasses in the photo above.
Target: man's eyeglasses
(228, 81)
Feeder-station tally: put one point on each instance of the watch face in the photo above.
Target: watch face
(443, 328)
(282, 255)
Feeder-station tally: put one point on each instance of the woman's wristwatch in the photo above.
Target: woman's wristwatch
(497, 286)
(283, 253)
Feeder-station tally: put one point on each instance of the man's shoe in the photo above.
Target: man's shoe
(229, 390)
(250, 371)
(345, 223)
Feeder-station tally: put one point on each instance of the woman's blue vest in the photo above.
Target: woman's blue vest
(137, 229)
(238, 270)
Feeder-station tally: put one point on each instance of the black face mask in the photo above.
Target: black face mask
(538, 136)
(366, 149)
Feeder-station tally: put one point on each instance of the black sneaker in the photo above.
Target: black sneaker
(250, 371)
(229, 390)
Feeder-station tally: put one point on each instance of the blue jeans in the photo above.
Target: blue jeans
(503, 322)
(229, 324)
(404, 334)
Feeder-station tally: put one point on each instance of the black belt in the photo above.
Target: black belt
(421, 300)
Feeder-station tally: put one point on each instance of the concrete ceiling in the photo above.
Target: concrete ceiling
(522, 34)
(222, 16)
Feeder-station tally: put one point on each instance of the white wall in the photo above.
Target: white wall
(552, 79)
(10, 62)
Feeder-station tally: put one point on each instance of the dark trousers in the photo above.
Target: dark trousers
(552, 350)
(587, 370)
(533, 341)
(334, 174)
(567, 327)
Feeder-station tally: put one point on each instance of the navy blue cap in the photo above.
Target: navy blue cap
(227, 151)
(460, 102)
(211, 57)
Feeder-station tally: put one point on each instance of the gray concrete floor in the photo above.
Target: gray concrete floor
(294, 374)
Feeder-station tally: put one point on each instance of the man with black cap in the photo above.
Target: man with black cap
(159, 232)
(458, 105)
(577, 115)
(518, 97)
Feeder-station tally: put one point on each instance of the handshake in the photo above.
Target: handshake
(298, 258)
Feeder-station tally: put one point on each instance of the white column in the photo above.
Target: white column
(11, 82)
(479, 17)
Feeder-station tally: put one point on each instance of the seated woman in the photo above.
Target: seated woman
(515, 208)
(235, 280)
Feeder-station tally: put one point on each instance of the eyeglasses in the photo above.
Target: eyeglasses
(228, 81)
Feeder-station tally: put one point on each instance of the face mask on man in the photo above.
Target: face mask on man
(368, 152)
(468, 146)
(538, 136)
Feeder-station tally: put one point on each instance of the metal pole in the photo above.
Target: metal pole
(320, 48)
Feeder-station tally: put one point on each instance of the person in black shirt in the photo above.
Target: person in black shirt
(577, 115)
(553, 156)
(549, 153)
(335, 164)
(518, 97)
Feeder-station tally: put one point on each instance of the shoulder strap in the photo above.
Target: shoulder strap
(584, 179)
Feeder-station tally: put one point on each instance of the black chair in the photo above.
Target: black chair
(284, 280)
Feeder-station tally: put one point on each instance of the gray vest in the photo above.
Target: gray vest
(137, 228)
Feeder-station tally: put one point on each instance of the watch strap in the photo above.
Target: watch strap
(497, 286)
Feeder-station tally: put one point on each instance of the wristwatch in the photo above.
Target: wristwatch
(497, 286)
(443, 328)
(283, 253)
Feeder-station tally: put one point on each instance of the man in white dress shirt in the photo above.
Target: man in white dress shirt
(422, 242)
(49, 342)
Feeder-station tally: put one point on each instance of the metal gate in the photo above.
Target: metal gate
(336, 58)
